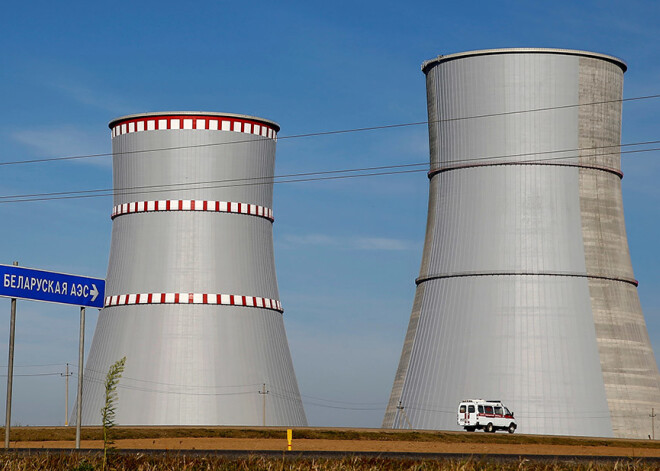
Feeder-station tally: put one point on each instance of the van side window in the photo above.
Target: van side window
(462, 409)
(498, 410)
(489, 409)
(470, 409)
(481, 409)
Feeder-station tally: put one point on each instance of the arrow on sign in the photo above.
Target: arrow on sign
(94, 292)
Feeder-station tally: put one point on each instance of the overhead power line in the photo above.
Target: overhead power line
(175, 186)
(479, 116)
(268, 180)
(333, 132)
(86, 378)
(296, 395)
(213, 186)
(184, 389)
(309, 400)
(99, 375)
(34, 374)
(327, 174)
(327, 406)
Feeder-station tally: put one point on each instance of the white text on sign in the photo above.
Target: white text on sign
(32, 283)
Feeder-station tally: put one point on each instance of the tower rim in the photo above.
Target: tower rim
(429, 64)
(211, 114)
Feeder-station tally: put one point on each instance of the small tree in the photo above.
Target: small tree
(108, 410)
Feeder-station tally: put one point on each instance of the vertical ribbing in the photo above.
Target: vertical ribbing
(527, 339)
(193, 364)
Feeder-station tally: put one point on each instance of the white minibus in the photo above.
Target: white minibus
(477, 414)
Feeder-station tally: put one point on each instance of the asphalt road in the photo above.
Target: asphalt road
(294, 455)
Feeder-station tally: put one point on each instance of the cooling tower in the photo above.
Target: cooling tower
(526, 292)
(191, 293)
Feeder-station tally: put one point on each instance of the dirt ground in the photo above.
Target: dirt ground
(349, 445)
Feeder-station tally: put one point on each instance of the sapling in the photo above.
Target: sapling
(109, 408)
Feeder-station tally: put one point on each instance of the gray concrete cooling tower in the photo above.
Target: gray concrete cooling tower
(191, 292)
(526, 292)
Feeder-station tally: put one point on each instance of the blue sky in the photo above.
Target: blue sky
(347, 251)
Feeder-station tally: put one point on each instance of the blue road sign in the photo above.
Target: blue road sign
(39, 285)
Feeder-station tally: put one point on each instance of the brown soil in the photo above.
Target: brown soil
(188, 443)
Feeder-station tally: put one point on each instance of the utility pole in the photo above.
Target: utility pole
(263, 393)
(400, 407)
(66, 395)
(652, 422)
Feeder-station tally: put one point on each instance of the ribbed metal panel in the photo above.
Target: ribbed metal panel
(193, 364)
(526, 293)
(515, 338)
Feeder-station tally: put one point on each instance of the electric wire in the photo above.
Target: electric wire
(102, 375)
(285, 393)
(221, 186)
(578, 414)
(124, 378)
(124, 190)
(334, 401)
(33, 374)
(300, 397)
(487, 115)
(297, 394)
(160, 391)
(336, 132)
(290, 398)
(327, 172)
(213, 184)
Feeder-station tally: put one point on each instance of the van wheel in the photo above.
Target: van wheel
(512, 428)
(489, 428)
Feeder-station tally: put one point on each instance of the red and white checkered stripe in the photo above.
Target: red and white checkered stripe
(193, 205)
(209, 123)
(193, 298)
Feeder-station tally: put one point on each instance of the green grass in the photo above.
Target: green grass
(119, 433)
(139, 462)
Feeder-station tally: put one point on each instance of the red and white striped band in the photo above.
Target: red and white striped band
(210, 123)
(192, 298)
(193, 205)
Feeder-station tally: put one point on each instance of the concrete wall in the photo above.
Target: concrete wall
(629, 369)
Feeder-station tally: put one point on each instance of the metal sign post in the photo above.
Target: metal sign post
(10, 368)
(52, 287)
(81, 359)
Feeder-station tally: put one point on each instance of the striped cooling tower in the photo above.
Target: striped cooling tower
(526, 292)
(191, 294)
